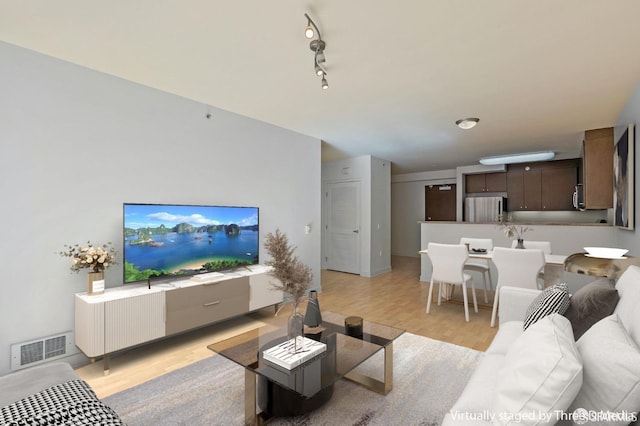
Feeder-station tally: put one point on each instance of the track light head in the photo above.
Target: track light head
(311, 29)
(325, 85)
(319, 70)
(308, 31)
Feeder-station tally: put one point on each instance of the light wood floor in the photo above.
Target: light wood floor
(396, 298)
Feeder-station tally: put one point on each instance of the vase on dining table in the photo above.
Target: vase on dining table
(520, 244)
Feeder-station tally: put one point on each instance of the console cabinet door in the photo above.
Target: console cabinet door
(195, 306)
(132, 321)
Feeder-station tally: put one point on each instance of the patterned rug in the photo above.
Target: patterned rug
(428, 377)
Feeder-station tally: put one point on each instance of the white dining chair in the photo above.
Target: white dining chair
(448, 262)
(545, 246)
(516, 268)
(480, 265)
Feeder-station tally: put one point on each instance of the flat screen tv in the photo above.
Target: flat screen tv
(163, 240)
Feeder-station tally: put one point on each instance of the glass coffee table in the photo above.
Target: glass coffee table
(282, 392)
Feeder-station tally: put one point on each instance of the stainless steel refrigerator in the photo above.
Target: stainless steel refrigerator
(484, 209)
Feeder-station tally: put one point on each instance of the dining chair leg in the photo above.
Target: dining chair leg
(495, 308)
(484, 281)
(475, 300)
(490, 279)
(466, 302)
(429, 296)
(440, 292)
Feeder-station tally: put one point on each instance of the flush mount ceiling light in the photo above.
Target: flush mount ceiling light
(317, 46)
(467, 123)
(518, 158)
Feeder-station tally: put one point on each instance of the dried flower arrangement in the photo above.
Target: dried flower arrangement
(97, 258)
(510, 229)
(294, 276)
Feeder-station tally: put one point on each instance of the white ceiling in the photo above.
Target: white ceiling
(536, 73)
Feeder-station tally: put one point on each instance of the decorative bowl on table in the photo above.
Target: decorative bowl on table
(606, 252)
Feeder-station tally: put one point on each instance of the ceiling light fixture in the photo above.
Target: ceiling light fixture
(317, 46)
(308, 31)
(518, 158)
(467, 123)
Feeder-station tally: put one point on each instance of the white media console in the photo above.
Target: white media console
(134, 314)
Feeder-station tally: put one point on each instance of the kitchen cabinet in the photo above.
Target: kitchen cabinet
(524, 188)
(597, 168)
(558, 184)
(486, 182)
(543, 186)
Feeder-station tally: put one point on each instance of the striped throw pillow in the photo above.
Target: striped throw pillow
(553, 299)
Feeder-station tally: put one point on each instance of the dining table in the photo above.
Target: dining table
(553, 267)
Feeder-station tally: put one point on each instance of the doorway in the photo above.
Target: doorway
(342, 234)
(440, 202)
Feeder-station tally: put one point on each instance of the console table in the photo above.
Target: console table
(134, 314)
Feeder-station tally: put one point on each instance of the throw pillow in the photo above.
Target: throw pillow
(540, 376)
(611, 373)
(553, 299)
(590, 304)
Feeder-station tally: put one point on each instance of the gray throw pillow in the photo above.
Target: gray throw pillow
(553, 299)
(590, 304)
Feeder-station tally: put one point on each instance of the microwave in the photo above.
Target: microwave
(578, 197)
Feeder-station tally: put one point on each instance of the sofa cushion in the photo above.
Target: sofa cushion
(611, 362)
(542, 374)
(23, 383)
(590, 304)
(628, 287)
(507, 334)
(553, 299)
(477, 395)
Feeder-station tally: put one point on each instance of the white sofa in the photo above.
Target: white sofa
(479, 401)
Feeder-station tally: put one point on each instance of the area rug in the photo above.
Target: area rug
(429, 375)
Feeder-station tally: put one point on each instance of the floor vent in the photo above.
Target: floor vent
(41, 350)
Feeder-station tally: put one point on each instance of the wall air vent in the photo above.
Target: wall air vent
(41, 350)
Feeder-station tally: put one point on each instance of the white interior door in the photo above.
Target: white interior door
(342, 249)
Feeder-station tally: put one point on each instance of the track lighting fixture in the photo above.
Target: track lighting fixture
(317, 46)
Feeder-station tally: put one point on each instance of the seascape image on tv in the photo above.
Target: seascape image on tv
(166, 240)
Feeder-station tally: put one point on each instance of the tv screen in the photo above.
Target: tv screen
(171, 240)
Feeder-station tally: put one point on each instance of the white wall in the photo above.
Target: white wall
(407, 208)
(76, 144)
(380, 216)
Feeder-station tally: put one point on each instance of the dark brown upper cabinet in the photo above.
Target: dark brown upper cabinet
(486, 182)
(542, 186)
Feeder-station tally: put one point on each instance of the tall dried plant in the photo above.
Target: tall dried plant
(293, 275)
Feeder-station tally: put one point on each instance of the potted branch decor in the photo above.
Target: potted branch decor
(294, 278)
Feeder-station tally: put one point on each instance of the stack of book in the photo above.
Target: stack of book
(283, 356)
